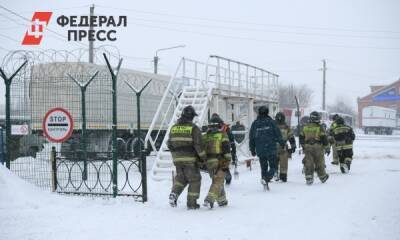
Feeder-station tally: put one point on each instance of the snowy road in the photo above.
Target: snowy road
(362, 205)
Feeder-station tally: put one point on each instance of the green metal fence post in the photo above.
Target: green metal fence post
(114, 76)
(7, 82)
(53, 159)
(83, 87)
(142, 154)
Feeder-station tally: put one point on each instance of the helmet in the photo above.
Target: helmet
(215, 118)
(280, 117)
(189, 112)
(339, 120)
(215, 121)
(315, 117)
(263, 110)
(335, 117)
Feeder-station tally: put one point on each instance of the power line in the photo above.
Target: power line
(264, 30)
(58, 9)
(23, 25)
(8, 37)
(213, 20)
(266, 40)
(361, 75)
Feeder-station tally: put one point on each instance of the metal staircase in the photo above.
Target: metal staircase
(199, 98)
(215, 87)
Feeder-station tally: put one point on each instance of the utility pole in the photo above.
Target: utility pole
(91, 29)
(323, 84)
(155, 64)
(156, 58)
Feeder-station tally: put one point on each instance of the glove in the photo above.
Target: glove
(202, 166)
(292, 150)
(327, 151)
(234, 159)
(253, 154)
(224, 165)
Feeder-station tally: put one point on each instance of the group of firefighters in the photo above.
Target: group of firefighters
(272, 141)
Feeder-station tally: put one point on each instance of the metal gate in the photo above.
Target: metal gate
(104, 155)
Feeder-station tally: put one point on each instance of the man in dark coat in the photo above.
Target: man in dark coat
(264, 136)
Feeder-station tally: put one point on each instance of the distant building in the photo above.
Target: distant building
(384, 96)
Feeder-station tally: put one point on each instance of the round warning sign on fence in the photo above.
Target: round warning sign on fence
(57, 125)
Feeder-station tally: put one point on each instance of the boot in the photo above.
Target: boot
(309, 181)
(324, 178)
(223, 203)
(283, 177)
(276, 176)
(192, 204)
(348, 163)
(265, 184)
(209, 204)
(228, 177)
(173, 198)
(344, 168)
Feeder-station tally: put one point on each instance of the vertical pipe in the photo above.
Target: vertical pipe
(230, 78)
(247, 80)
(255, 81)
(217, 73)
(262, 84)
(239, 76)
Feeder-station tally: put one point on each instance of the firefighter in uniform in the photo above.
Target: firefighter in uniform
(344, 137)
(218, 157)
(283, 152)
(186, 146)
(314, 142)
(226, 129)
(335, 158)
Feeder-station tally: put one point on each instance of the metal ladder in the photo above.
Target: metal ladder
(197, 83)
(199, 98)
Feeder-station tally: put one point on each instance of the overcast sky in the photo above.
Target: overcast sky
(360, 39)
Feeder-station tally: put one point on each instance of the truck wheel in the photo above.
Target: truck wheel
(33, 151)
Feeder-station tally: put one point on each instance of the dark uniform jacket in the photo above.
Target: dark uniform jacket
(343, 135)
(264, 134)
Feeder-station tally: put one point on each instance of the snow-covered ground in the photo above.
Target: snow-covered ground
(364, 204)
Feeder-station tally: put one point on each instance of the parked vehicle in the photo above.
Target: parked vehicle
(378, 120)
